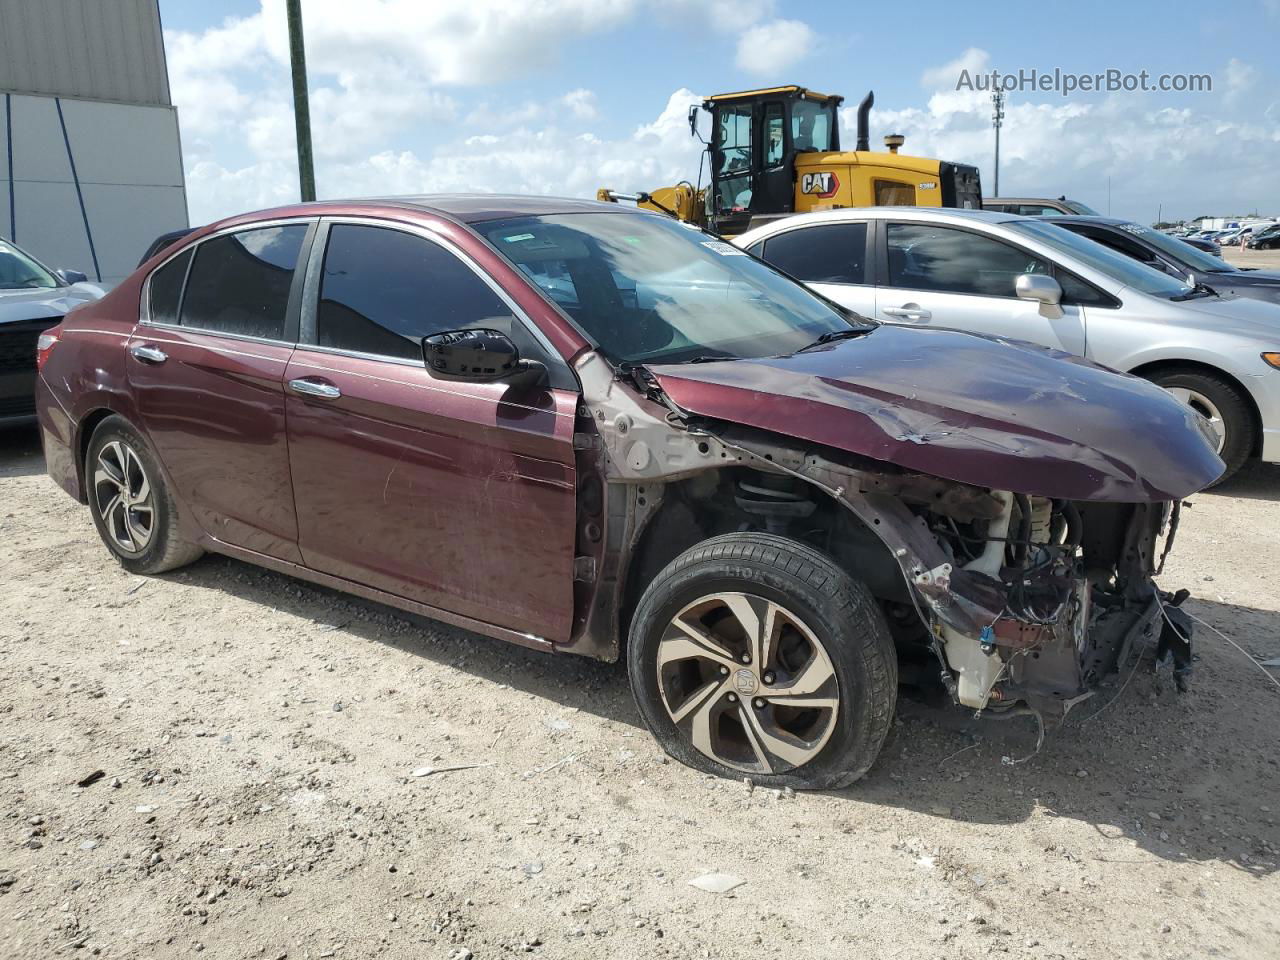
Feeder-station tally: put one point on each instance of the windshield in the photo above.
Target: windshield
(1081, 208)
(20, 272)
(1184, 253)
(1103, 259)
(649, 289)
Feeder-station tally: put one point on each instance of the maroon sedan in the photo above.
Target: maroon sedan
(595, 430)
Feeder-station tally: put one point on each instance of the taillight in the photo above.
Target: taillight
(44, 346)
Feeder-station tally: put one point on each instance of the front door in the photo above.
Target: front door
(458, 495)
(942, 276)
(206, 367)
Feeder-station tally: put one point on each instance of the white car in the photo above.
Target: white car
(1023, 278)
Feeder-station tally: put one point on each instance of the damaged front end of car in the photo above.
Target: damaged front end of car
(1026, 592)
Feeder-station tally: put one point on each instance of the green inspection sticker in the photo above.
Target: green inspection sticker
(518, 237)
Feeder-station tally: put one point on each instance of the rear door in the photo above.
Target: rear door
(461, 496)
(943, 276)
(206, 366)
(830, 258)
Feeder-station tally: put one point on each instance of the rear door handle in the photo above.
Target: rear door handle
(148, 353)
(908, 311)
(312, 387)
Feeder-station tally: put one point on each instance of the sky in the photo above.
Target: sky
(565, 96)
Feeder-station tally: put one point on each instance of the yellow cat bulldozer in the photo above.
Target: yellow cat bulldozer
(775, 152)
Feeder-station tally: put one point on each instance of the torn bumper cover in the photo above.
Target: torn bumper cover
(1027, 600)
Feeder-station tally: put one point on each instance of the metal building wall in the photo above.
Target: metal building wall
(90, 156)
(94, 49)
(91, 183)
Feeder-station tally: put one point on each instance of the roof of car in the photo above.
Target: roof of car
(478, 207)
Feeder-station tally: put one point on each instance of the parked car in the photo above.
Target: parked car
(1208, 246)
(164, 241)
(1268, 239)
(33, 298)
(1037, 206)
(1026, 278)
(1175, 258)
(778, 505)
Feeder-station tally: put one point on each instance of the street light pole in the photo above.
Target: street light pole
(301, 106)
(997, 121)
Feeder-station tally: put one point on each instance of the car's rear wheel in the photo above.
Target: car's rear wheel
(1227, 410)
(130, 503)
(752, 655)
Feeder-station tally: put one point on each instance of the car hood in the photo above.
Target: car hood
(1239, 313)
(994, 413)
(28, 304)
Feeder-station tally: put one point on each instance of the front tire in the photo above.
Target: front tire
(752, 655)
(1226, 409)
(130, 502)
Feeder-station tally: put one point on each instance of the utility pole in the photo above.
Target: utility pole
(301, 106)
(997, 121)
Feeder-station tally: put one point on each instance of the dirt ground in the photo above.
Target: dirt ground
(257, 738)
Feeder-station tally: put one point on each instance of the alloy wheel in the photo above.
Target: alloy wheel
(1202, 405)
(123, 495)
(748, 682)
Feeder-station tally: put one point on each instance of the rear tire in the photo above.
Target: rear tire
(1210, 394)
(752, 655)
(130, 502)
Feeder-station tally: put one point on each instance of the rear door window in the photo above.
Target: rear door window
(239, 283)
(925, 257)
(828, 253)
(166, 289)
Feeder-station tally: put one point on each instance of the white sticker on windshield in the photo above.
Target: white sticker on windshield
(724, 249)
(518, 237)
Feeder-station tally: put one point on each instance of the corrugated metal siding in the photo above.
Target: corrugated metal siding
(96, 49)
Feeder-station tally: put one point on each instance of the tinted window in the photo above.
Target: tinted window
(166, 287)
(384, 290)
(239, 283)
(831, 253)
(1075, 292)
(925, 257)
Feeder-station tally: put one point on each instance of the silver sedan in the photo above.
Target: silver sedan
(1024, 278)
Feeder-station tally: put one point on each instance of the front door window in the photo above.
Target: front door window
(733, 158)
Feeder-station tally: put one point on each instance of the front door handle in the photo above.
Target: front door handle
(148, 353)
(908, 311)
(312, 387)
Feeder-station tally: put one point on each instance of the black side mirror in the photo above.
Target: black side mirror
(70, 276)
(693, 121)
(480, 356)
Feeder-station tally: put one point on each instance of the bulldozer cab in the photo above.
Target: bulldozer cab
(755, 138)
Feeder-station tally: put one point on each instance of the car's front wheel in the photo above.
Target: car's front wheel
(130, 503)
(752, 655)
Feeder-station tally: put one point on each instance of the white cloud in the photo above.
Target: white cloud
(581, 103)
(548, 159)
(776, 45)
(1241, 78)
(945, 77)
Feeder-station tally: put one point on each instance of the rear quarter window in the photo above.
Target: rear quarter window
(166, 289)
